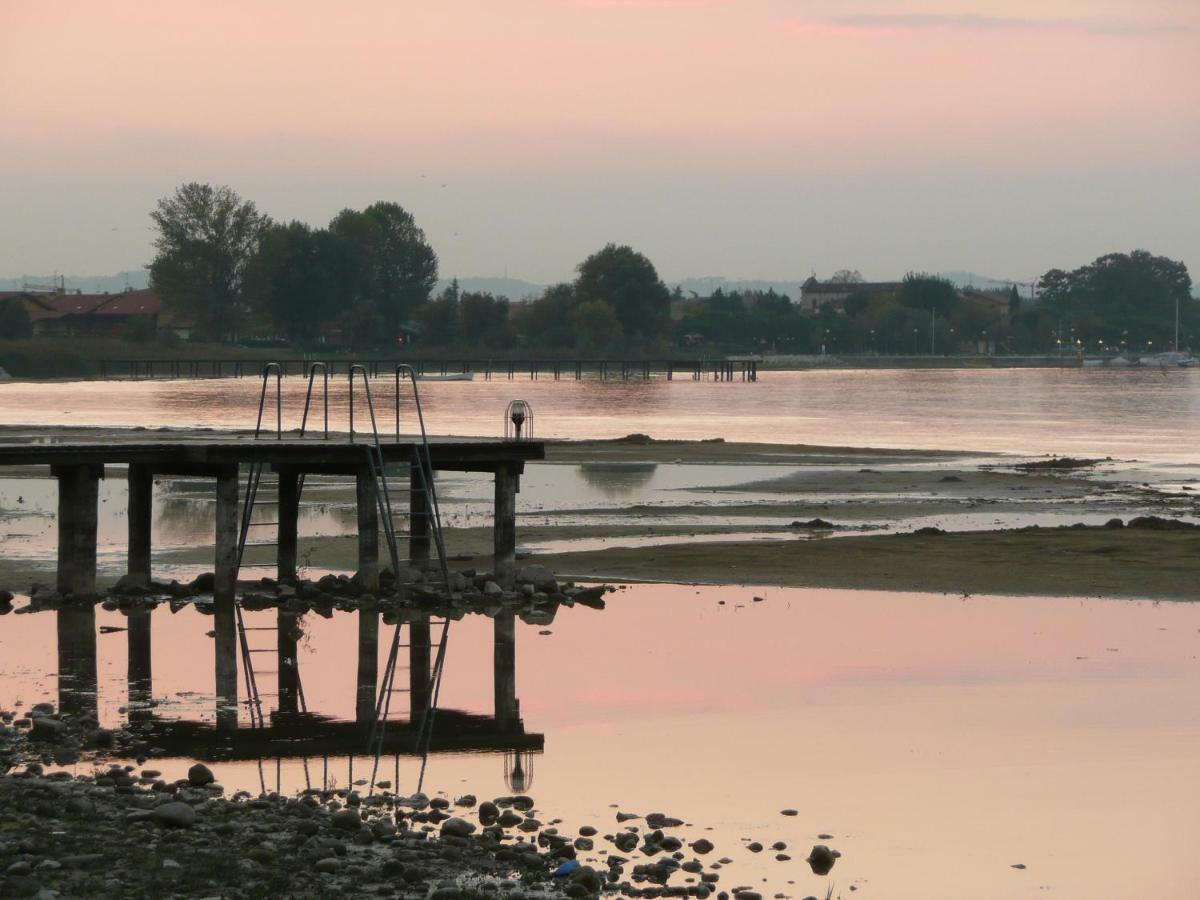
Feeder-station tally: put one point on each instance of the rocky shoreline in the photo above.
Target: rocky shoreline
(123, 831)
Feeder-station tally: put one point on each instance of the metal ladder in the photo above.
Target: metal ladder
(423, 487)
(253, 483)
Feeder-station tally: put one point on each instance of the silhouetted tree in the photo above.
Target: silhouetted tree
(14, 320)
(629, 283)
(206, 237)
(292, 280)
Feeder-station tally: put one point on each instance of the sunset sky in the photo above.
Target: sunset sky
(737, 138)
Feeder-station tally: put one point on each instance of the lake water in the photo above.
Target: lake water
(1149, 415)
(940, 741)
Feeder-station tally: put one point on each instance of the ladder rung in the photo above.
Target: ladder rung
(259, 524)
(258, 628)
(260, 650)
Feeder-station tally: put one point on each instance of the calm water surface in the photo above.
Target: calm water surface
(1148, 415)
(940, 740)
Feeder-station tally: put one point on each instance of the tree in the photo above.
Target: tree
(387, 269)
(483, 319)
(596, 325)
(847, 276)
(1134, 294)
(928, 292)
(14, 320)
(1014, 301)
(546, 321)
(291, 280)
(439, 317)
(628, 282)
(206, 237)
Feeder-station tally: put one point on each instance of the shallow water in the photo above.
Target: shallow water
(940, 740)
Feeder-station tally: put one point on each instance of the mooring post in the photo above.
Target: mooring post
(368, 530)
(78, 498)
(419, 659)
(288, 679)
(418, 515)
(287, 547)
(77, 682)
(504, 528)
(224, 596)
(508, 715)
(141, 514)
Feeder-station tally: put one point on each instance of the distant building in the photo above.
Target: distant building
(994, 303)
(107, 315)
(816, 294)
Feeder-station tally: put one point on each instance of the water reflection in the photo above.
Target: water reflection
(288, 727)
(618, 479)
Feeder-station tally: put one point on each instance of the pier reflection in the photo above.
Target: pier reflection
(288, 728)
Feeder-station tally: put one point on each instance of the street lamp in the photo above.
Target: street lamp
(517, 414)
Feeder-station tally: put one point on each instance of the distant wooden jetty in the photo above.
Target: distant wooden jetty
(732, 368)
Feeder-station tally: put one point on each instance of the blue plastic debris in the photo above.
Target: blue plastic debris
(566, 868)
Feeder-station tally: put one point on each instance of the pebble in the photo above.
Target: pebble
(702, 846)
(174, 814)
(789, 812)
(456, 827)
(200, 775)
(821, 859)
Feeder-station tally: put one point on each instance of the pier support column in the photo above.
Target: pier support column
(418, 516)
(504, 529)
(139, 673)
(418, 668)
(287, 546)
(224, 596)
(141, 513)
(78, 498)
(368, 666)
(368, 530)
(288, 679)
(508, 712)
(77, 682)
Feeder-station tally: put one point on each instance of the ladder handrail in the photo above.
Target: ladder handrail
(375, 461)
(266, 373)
(312, 374)
(426, 467)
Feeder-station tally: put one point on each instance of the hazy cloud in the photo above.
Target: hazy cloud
(983, 23)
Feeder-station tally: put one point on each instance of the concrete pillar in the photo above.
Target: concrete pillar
(419, 662)
(504, 529)
(78, 498)
(508, 714)
(287, 633)
(224, 596)
(140, 675)
(141, 513)
(418, 516)
(77, 682)
(368, 530)
(368, 666)
(287, 547)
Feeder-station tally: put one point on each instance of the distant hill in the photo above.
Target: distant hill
(89, 284)
(983, 282)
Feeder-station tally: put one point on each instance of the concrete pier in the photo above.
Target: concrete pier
(288, 542)
(419, 664)
(368, 530)
(140, 479)
(505, 526)
(77, 675)
(78, 498)
(288, 664)
(224, 591)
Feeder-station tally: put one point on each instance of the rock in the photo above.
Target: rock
(489, 812)
(587, 831)
(491, 589)
(754, 847)
(509, 819)
(779, 845)
(203, 583)
(456, 827)
(346, 819)
(46, 728)
(200, 775)
(659, 820)
(789, 812)
(702, 846)
(174, 814)
(467, 800)
(329, 865)
(821, 859)
(540, 577)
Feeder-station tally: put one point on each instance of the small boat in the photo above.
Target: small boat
(453, 376)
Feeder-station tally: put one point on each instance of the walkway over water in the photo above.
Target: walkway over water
(80, 464)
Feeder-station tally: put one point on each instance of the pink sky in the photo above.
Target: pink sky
(760, 138)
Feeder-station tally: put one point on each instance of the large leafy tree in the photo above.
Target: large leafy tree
(206, 238)
(629, 283)
(387, 269)
(292, 280)
(928, 292)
